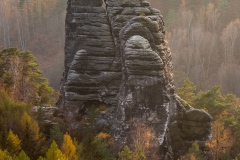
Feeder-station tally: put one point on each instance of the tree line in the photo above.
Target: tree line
(37, 26)
(23, 135)
(204, 39)
(203, 36)
(225, 110)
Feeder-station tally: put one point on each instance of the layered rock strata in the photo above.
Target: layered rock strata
(90, 73)
(118, 57)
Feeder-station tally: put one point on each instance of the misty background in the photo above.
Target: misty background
(203, 35)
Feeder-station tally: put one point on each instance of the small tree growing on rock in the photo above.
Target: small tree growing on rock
(142, 137)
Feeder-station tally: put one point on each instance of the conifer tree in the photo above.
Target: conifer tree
(11, 112)
(125, 154)
(54, 153)
(31, 136)
(22, 156)
(13, 143)
(5, 155)
(186, 92)
(212, 100)
(98, 148)
(138, 154)
(68, 147)
(21, 78)
(194, 153)
(79, 148)
(56, 135)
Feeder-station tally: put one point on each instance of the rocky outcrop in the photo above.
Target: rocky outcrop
(91, 73)
(118, 57)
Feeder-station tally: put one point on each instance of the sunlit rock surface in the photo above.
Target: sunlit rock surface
(117, 57)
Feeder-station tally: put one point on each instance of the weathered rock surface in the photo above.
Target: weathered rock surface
(119, 58)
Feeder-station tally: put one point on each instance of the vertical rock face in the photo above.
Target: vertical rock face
(118, 57)
(91, 70)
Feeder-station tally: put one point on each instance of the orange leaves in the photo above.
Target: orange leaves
(144, 137)
(103, 135)
(222, 140)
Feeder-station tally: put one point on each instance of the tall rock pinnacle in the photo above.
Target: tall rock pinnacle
(117, 56)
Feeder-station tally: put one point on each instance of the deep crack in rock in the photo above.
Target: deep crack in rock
(119, 58)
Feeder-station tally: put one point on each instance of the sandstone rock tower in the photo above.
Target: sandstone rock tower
(118, 56)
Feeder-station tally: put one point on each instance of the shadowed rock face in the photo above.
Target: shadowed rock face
(118, 57)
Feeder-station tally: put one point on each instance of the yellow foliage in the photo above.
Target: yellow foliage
(101, 108)
(68, 148)
(222, 139)
(143, 136)
(13, 143)
(30, 125)
(189, 156)
(142, 14)
(103, 135)
(5, 155)
(54, 153)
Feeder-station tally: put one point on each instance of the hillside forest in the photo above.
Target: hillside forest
(203, 36)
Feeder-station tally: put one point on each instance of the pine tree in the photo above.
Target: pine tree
(194, 153)
(212, 100)
(98, 148)
(186, 92)
(56, 135)
(21, 78)
(40, 116)
(79, 148)
(101, 149)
